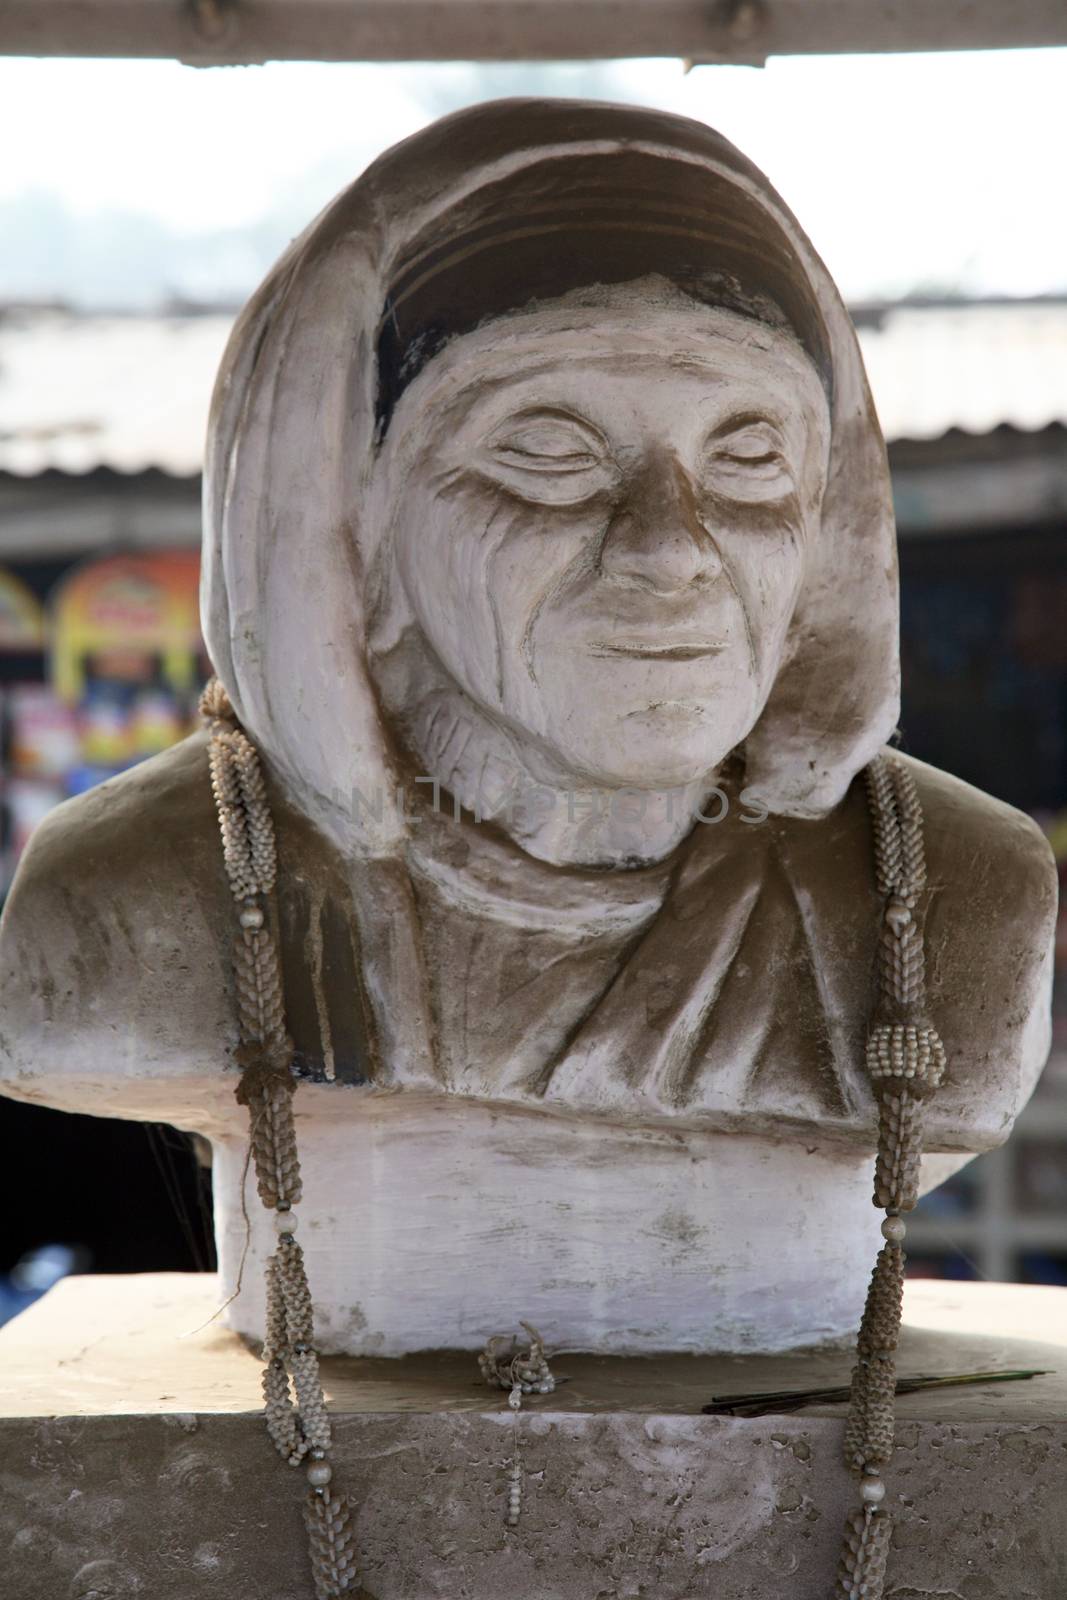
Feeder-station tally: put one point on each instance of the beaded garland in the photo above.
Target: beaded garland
(297, 1420)
(905, 1061)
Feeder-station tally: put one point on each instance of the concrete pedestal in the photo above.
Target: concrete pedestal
(133, 1463)
(536, 1200)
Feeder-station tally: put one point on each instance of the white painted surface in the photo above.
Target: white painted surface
(432, 1223)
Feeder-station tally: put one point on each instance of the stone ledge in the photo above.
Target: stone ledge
(629, 1493)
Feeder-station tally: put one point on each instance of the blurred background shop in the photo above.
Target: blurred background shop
(105, 379)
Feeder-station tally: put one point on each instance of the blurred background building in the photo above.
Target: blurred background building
(102, 417)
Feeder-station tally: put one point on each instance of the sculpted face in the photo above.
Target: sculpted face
(599, 519)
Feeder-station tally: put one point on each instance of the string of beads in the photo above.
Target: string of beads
(506, 1365)
(906, 1062)
(297, 1420)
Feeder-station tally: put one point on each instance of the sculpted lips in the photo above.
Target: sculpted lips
(694, 650)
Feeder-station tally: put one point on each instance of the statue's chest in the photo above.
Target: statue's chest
(738, 995)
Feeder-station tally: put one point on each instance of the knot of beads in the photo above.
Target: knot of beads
(898, 915)
(521, 1371)
(905, 1055)
(215, 703)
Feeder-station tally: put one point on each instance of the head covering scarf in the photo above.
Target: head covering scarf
(478, 214)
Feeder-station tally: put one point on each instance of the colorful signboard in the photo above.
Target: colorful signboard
(21, 617)
(129, 618)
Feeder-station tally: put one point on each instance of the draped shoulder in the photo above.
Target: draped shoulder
(734, 994)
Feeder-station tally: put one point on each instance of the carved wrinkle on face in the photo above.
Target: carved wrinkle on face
(602, 542)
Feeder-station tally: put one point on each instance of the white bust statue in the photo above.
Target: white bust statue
(549, 562)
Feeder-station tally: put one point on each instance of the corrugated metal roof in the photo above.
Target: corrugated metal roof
(971, 367)
(131, 392)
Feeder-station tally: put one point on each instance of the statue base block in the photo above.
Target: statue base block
(134, 1463)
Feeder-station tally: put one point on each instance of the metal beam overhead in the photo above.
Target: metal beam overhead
(210, 32)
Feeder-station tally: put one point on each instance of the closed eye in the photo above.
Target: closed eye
(747, 460)
(546, 447)
(548, 457)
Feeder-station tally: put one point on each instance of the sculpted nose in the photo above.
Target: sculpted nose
(656, 539)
